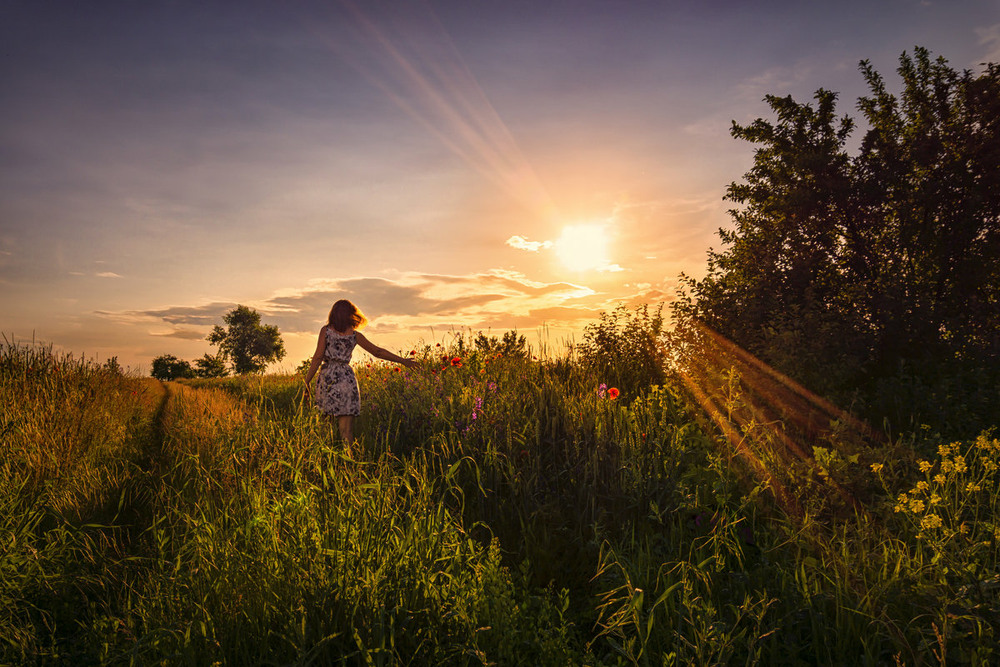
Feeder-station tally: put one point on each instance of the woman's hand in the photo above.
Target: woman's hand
(410, 363)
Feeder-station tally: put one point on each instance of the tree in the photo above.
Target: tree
(249, 345)
(169, 367)
(210, 366)
(842, 269)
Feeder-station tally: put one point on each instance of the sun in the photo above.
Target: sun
(583, 247)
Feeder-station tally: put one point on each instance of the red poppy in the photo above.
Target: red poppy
(413, 353)
(613, 393)
(397, 369)
(438, 345)
(456, 362)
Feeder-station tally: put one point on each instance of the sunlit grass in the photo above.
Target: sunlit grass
(498, 510)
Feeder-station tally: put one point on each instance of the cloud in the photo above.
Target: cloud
(522, 243)
(183, 334)
(404, 301)
(107, 274)
(989, 37)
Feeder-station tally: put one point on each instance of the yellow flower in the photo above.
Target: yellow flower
(972, 488)
(922, 485)
(959, 462)
(944, 450)
(934, 499)
(924, 465)
(877, 468)
(947, 465)
(940, 479)
(903, 499)
(930, 522)
(916, 506)
(964, 528)
(990, 465)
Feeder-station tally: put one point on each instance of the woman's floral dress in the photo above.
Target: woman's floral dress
(337, 389)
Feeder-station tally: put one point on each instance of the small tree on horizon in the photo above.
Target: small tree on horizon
(168, 367)
(249, 345)
(210, 366)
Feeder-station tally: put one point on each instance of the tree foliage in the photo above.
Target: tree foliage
(169, 367)
(210, 366)
(249, 345)
(841, 269)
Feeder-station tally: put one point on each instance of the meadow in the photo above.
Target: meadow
(498, 509)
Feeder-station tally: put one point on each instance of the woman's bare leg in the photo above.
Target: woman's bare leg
(346, 424)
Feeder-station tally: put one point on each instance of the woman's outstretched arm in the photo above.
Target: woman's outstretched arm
(382, 353)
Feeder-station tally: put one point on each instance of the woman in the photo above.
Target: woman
(337, 394)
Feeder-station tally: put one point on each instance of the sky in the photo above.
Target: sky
(451, 167)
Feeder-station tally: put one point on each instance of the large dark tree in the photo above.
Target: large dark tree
(841, 268)
(249, 345)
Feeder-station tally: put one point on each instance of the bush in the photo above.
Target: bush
(626, 348)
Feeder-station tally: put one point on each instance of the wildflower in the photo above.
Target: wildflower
(922, 485)
(492, 386)
(613, 393)
(438, 345)
(944, 450)
(930, 522)
(940, 479)
(877, 468)
(916, 505)
(924, 466)
(413, 353)
(990, 465)
(934, 499)
(396, 369)
(963, 528)
(959, 462)
(972, 488)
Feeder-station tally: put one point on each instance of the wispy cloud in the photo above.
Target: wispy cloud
(107, 274)
(522, 243)
(989, 38)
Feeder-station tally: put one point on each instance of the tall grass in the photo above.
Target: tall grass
(498, 510)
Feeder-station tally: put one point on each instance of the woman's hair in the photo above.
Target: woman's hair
(345, 315)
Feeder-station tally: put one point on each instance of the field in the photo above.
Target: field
(497, 510)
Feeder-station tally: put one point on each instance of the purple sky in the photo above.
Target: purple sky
(161, 162)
